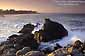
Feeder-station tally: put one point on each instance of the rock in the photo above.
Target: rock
(57, 46)
(28, 40)
(49, 47)
(76, 49)
(59, 52)
(25, 39)
(13, 38)
(9, 52)
(23, 51)
(35, 53)
(83, 50)
(51, 31)
(54, 30)
(7, 49)
(27, 36)
(77, 44)
(28, 28)
(76, 52)
(15, 41)
(38, 36)
(2, 48)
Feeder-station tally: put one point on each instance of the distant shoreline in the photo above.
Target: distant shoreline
(18, 14)
(12, 11)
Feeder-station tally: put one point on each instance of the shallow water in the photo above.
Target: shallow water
(74, 23)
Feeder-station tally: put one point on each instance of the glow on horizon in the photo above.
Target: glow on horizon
(48, 6)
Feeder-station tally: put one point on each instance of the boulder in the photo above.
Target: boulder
(49, 47)
(78, 44)
(59, 52)
(77, 48)
(10, 52)
(27, 36)
(13, 38)
(25, 39)
(23, 51)
(35, 53)
(51, 31)
(28, 40)
(76, 52)
(28, 28)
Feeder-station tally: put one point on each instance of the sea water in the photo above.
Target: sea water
(74, 23)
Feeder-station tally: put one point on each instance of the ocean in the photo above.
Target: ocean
(74, 23)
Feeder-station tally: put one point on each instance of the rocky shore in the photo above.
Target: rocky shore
(27, 44)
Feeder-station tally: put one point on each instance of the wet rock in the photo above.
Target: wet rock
(54, 30)
(35, 53)
(13, 38)
(28, 40)
(83, 50)
(51, 31)
(38, 36)
(76, 49)
(76, 52)
(9, 52)
(2, 48)
(23, 51)
(14, 41)
(17, 42)
(78, 44)
(24, 39)
(49, 47)
(59, 52)
(28, 28)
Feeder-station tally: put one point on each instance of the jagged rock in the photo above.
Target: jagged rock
(27, 36)
(49, 47)
(13, 38)
(51, 31)
(28, 40)
(76, 49)
(14, 41)
(7, 49)
(54, 30)
(9, 52)
(28, 28)
(23, 51)
(76, 52)
(2, 48)
(78, 44)
(24, 39)
(35, 53)
(83, 49)
(38, 36)
(59, 52)
(17, 42)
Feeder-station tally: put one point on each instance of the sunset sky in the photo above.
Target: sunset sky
(47, 6)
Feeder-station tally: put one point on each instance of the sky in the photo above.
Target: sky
(43, 6)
